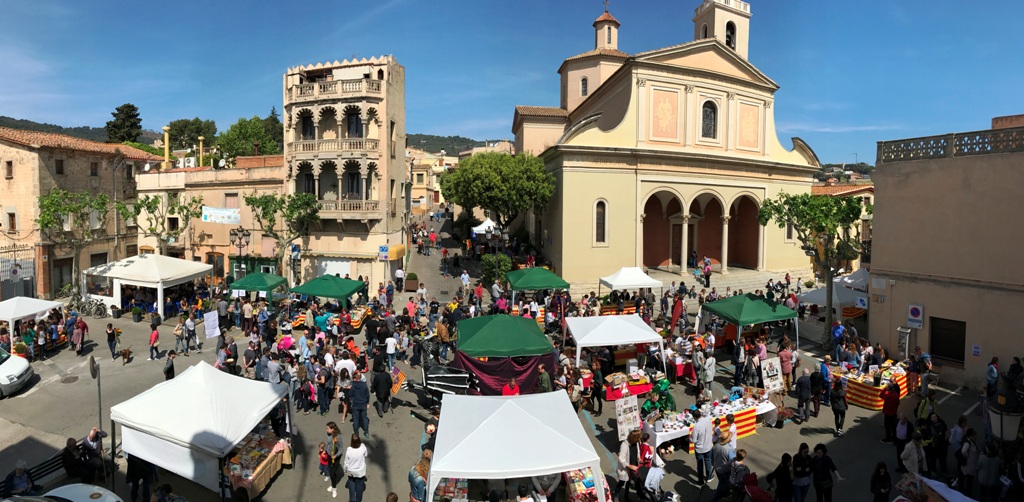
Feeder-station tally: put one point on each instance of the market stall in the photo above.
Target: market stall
(205, 421)
(844, 300)
(856, 280)
(864, 389)
(605, 331)
(149, 270)
(628, 278)
(499, 347)
(533, 279)
(536, 435)
(329, 286)
(259, 281)
(747, 309)
(745, 411)
(22, 308)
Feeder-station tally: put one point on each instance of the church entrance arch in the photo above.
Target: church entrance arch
(706, 212)
(662, 231)
(744, 233)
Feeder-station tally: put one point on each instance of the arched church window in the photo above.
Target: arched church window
(730, 35)
(583, 86)
(709, 120)
(608, 35)
(601, 222)
(704, 31)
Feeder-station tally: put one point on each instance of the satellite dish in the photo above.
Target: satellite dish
(147, 167)
(221, 163)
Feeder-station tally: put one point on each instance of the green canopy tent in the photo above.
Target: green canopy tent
(533, 279)
(747, 309)
(259, 282)
(329, 286)
(502, 336)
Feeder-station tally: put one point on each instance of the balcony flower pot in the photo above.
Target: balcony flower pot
(115, 312)
(412, 282)
(137, 314)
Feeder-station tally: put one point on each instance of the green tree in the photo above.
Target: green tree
(504, 184)
(185, 133)
(239, 139)
(283, 218)
(126, 125)
(155, 212)
(72, 221)
(275, 129)
(827, 228)
(495, 266)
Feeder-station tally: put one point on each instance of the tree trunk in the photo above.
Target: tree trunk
(829, 315)
(76, 275)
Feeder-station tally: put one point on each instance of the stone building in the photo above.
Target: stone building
(663, 154)
(34, 163)
(946, 247)
(345, 143)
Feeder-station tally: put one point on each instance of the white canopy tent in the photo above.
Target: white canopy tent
(602, 331)
(188, 424)
(841, 297)
(22, 307)
(536, 434)
(858, 279)
(486, 227)
(630, 278)
(147, 271)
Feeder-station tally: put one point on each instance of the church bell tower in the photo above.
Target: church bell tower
(726, 20)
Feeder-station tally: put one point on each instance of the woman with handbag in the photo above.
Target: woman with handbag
(333, 448)
(355, 469)
(628, 465)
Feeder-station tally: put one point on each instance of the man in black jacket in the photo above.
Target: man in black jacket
(804, 391)
(817, 389)
(382, 383)
(359, 397)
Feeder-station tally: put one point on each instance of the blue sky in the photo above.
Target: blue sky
(852, 72)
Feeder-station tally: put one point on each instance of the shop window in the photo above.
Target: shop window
(948, 339)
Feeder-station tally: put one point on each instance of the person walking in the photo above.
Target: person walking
(914, 459)
(418, 479)
(112, 341)
(938, 447)
(992, 377)
(904, 429)
(702, 437)
(822, 468)
(802, 473)
(968, 462)
(359, 400)
(722, 455)
(381, 384)
(334, 458)
(890, 407)
(881, 483)
(787, 360)
(804, 391)
(628, 465)
(169, 365)
(956, 440)
(355, 469)
(154, 343)
(782, 479)
(839, 406)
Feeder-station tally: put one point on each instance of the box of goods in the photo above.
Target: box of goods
(615, 379)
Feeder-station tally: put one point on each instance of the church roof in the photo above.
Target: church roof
(606, 17)
(599, 52)
(541, 111)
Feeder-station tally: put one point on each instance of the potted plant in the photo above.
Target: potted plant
(155, 318)
(412, 281)
(808, 284)
(137, 314)
(115, 312)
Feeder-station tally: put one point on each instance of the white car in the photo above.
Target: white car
(14, 372)
(78, 492)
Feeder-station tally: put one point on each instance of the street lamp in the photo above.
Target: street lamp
(239, 238)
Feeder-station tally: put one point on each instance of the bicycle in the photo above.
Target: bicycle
(97, 308)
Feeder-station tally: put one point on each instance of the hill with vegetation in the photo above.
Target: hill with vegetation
(838, 171)
(452, 145)
(83, 132)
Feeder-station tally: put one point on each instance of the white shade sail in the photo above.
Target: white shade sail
(630, 278)
(151, 270)
(484, 227)
(203, 409)
(858, 279)
(501, 437)
(22, 307)
(841, 297)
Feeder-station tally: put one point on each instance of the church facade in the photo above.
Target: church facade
(664, 154)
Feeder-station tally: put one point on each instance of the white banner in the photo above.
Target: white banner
(771, 373)
(627, 416)
(211, 322)
(227, 216)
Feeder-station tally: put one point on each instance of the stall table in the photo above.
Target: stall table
(866, 395)
(540, 316)
(615, 393)
(268, 454)
(746, 425)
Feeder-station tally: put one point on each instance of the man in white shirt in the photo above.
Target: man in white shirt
(465, 280)
(701, 435)
(345, 362)
(392, 347)
(399, 279)
(534, 309)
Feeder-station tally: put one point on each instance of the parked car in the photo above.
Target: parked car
(14, 372)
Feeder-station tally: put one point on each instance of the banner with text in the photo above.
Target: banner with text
(224, 215)
(627, 416)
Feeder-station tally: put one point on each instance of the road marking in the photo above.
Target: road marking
(971, 409)
(55, 378)
(613, 459)
(951, 394)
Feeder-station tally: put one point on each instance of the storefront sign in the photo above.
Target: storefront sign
(227, 216)
(627, 416)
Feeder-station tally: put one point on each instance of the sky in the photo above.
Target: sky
(851, 72)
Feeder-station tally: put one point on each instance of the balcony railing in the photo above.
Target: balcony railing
(952, 145)
(340, 209)
(334, 89)
(334, 145)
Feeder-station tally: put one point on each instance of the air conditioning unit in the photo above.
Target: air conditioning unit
(190, 162)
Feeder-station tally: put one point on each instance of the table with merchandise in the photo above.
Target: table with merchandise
(617, 385)
(678, 424)
(256, 460)
(864, 389)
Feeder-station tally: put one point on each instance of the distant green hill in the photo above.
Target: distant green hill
(452, 145)
(84, 132)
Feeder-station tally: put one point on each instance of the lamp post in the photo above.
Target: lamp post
(240, 239)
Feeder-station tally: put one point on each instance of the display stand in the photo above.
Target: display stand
(255, 462)
(862, 392)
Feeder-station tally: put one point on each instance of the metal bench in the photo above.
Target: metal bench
(48, 474)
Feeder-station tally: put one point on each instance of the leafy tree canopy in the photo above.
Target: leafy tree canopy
(185, 133)
(283, 218)
(827, 228)
(452, 145)
(73, 220)
(126, 124)
(238, 140)
(150, 212)
(274, 127)
(149, 149)
(501, 183)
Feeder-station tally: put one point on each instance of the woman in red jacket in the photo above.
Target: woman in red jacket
(890, 407)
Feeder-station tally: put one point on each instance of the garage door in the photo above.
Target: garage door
(331, 266)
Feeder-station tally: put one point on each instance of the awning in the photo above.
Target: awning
(397, 252)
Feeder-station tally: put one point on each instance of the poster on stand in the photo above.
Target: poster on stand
(627, 416)
(211, 323)
(771, 373)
